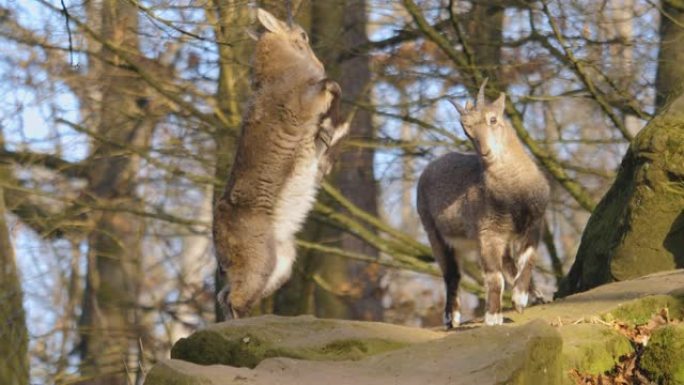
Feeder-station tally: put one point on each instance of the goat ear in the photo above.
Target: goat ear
(499, 104)
(269, 21)
(460, 109)
(469, 105)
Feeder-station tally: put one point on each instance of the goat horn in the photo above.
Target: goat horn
(480, 93)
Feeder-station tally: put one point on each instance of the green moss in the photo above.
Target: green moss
(351, 349)
(208, 348)
(640, 311)
(542, 363)
(592, 348)
(663, 357)
(630, 233)
(246, 350)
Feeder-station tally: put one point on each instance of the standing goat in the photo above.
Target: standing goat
(282, 154)
(496, 196)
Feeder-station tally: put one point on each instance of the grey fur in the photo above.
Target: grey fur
(496, 196)
(283, 151)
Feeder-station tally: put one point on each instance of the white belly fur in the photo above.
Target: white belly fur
(296, 200)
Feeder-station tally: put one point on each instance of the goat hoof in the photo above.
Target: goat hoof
(492, 319)
(452, 319)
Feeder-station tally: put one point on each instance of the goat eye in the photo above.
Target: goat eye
(492, 120)
(304, 36)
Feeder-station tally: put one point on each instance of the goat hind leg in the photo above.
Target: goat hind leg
(247, 277)
(446, 258)
(452, 277)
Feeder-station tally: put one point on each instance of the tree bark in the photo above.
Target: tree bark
(230, 19)
(484, 26)
(14, 366)
(109, 321)
(338, 28)
(670, 76)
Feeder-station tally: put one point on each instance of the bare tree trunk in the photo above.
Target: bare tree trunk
(109, 321)
(341, 26)
(484, 24)
(230, 20)
(14, 367)
(670, 76)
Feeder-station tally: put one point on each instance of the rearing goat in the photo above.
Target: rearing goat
(282, 153)
(496, 196)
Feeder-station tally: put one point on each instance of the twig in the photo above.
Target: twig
(71, 45)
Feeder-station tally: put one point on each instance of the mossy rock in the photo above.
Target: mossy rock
(592, 348)
(523, 354)
(246, 342)
(638, 226)
(640, 311)
(663, 357)
(306, 350)
(633, 301)
(511, 354)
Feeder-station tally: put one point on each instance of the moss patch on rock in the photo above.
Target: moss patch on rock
(592, 348)
(205, 348)
(640, 311)
(245, 343)
(542, 362)
(356, 349)
(663, 357)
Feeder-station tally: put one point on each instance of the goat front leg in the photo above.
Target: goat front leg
(492, 250)
(523, 278)
(329, 135)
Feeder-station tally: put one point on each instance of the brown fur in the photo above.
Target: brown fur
(496, 196)
(286, 128)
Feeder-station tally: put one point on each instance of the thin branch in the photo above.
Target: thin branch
(68, 28)
(147, 77)
(400, 245)
(425, 269)
(49, 161)
(581, 72)
(148, 12)
(544, 157)
(423, 252)
(143, 153)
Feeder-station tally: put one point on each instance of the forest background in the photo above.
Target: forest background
(118, 128)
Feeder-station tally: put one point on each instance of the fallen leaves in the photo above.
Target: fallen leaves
(627, 370)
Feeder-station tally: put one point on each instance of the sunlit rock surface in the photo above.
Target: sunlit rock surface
(540, 346)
